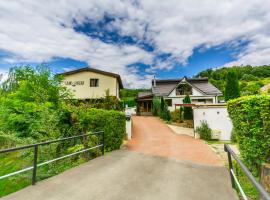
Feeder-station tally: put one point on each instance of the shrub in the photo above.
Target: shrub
(156, 106)
(164, 112)
(204, 131)
(176, 116)
(106, 103)
(251, 120)
(113, 123)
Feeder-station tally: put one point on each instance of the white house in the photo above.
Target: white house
(200, 90)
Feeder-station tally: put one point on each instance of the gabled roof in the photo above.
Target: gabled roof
(89, 69)
(165, 86)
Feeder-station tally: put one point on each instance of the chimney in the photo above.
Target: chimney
(155, 81)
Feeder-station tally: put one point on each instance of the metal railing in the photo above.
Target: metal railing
(36, 146)
(263, 194)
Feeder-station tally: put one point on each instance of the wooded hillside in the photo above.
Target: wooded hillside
(251, 78)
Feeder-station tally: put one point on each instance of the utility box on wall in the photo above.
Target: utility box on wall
(217, 117)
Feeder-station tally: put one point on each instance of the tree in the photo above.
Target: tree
(156, 106)
(30, 103)
(232, 90)
(187, 110)
(164, 112)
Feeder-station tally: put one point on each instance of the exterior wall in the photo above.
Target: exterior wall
(195, 92)
(194, 99)
(217, 119)
(84, 91)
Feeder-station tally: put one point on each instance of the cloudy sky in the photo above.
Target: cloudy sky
(135, 38)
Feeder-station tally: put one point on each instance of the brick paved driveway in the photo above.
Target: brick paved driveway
(152, 136)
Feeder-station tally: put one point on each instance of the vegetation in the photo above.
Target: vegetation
(187, 110)
(164, 111)
(156, 106)
(204, 131)
(35, 107)
(128, 96)
(160, 109)
(251, 120)
(232, 86)
(249, 77)
(176, 116)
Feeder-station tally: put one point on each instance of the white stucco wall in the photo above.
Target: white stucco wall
(217, 119)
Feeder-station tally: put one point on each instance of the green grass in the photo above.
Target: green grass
(219, 142)
(245, 183)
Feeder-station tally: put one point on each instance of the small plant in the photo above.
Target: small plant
(204, 131)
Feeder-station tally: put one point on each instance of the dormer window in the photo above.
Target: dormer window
(184, 89)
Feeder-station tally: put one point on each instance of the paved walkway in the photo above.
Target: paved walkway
(128, 175)
(152, 136)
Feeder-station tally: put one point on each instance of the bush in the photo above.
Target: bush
(106, 103)
(113, 123)
(204, 131)
(156, 106)
(164, 112)
(251, 120)
(176, 116)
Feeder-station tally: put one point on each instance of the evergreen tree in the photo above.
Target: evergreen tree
(162, 104)
(232, 90)
(187, 110)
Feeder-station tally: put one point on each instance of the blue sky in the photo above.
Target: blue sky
(134, 38)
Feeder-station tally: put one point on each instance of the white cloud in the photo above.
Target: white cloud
(34, 31)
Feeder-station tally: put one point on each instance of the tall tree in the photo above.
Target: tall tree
(187, 110)
(232, 90)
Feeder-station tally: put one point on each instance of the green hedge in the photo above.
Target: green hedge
(113, 123)
(251, 120)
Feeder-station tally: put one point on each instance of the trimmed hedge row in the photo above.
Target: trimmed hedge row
(113, 123)
(251, 120)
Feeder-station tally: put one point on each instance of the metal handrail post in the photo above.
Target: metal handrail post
(35, 165)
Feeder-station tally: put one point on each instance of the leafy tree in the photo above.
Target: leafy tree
(29, 106)
(187, 110)
(232, 86)
(249, 77)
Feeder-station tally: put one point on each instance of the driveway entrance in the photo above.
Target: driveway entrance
(152, 136)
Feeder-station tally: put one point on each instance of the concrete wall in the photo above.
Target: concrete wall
(84, 91)
(194, 99)
(217, 118)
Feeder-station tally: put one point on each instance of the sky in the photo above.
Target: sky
(134, 38)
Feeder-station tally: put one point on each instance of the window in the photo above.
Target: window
(202, 100)
(168, 102)
(184, 89)
(94, 82)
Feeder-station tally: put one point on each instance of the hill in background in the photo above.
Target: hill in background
(251, 79)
